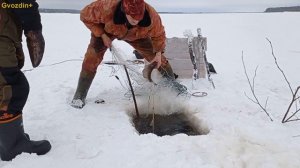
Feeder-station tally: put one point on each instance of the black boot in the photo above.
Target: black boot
(13, 141)
(84, 83)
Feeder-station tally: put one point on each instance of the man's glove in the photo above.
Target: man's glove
(36, 46)
(20, 55)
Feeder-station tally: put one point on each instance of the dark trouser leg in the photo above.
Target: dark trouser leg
(14, 90)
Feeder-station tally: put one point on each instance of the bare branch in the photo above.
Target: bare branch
(253, 81)
(266, 103)
(294, 99)
(292, 120)
(296, 93)
(279, 67)
(297, 110)
(252, 88)
(249, 98)
(293, 115)
(288, 110)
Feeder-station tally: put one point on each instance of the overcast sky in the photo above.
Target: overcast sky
(186, 5)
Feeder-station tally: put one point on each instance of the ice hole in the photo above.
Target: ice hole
(169, 124)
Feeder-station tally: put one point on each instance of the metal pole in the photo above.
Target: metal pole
(132, 92)
(205, 59)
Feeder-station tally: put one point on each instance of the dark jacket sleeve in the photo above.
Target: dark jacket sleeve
(29, 17)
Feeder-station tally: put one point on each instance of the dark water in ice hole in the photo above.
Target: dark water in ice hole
(165, 124)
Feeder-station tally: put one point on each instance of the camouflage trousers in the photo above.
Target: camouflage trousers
(14, 90)
(96, 50)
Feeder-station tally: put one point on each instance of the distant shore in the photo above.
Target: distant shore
(268, 10)
(284, 9)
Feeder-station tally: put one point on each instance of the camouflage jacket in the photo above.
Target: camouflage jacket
(9, 28)
(12, 22)
(106, 16)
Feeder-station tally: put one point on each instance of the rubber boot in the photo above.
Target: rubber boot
(84, 83)
(13, 141)
(170, 81)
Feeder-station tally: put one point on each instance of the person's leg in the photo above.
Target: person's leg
(14, 87)
(93, 57)
(14, 90)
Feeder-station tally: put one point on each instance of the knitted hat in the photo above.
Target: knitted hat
(134, 8)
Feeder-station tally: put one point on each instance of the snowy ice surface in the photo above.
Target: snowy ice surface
(102, 135)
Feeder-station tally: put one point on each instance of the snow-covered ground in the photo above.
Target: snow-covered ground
(101, 135)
